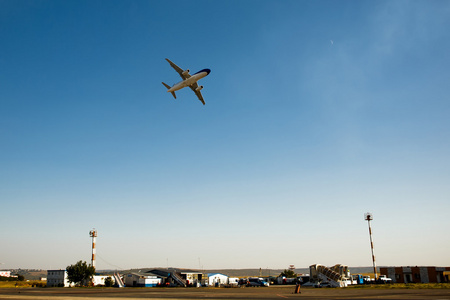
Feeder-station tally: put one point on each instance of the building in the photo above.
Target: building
(141, 280)
(100, 279)
(217, 279)
(5, 273)
(57, 278)
(192, 278)
(178, 277)
(416, 274)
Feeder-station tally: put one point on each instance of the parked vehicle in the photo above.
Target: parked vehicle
(384, 279)
(255, 281)
(243, 282)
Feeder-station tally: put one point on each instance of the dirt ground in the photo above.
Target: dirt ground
(285, 292)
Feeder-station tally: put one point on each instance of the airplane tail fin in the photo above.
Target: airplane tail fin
(168, 87)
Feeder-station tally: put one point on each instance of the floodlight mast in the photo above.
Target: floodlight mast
(369, 217)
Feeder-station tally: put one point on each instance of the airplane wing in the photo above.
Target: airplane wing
(198, 93)
(179, 70)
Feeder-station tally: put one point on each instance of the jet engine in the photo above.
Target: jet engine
(185, 73)
(199, 88)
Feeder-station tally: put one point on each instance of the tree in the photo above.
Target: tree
(109, 282)
(80, 273)
(288, 274)
(20, 277)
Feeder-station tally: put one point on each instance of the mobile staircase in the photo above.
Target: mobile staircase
(118, 280)
(178, 279)
(334, 276)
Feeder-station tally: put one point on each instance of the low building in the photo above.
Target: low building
(140, 280)
(192, 278)
(5, 273)
(57, 278)
(217, 279)
(100, 279)
(416, 274)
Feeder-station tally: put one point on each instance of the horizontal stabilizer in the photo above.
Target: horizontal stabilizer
(168, 87)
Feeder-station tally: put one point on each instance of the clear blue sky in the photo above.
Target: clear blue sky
(316, 112)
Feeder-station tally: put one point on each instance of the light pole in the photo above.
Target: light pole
(369, 217)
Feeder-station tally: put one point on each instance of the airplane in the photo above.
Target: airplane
(188, 80)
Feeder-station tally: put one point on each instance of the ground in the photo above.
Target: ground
(274, 292)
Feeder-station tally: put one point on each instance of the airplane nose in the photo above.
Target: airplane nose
(208, 71)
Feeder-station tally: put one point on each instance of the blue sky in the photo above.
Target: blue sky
(316, 112)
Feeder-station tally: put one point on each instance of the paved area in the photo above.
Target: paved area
(285, 292)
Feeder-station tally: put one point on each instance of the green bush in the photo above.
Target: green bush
(109, 282)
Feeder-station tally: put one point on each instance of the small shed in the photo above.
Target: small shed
(217, 279)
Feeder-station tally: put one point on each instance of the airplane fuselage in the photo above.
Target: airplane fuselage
(189, 81)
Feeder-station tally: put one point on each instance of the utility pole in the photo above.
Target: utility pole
(369, 217)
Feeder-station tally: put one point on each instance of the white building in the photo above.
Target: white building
(57, 278)
(140, 280)
(100, 279)
(5, 273)
(217, 279)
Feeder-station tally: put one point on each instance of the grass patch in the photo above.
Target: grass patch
(23, 284)
(403, 286)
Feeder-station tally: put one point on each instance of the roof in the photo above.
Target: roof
(189, 272)
(160, 272)
(214, 274)
(150, 273)
(146, 274)
(166, 272)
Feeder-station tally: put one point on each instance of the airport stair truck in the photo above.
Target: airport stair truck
(178, 279)
(118, 280)
(321, 273)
